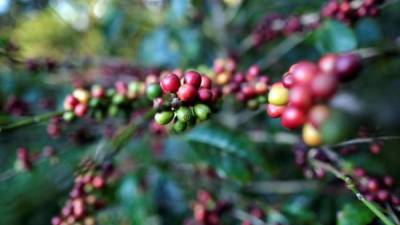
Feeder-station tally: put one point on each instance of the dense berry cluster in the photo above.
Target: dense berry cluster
(207, 210)
(349, 11)
(300, 96)
(84, 198)
(249, 88)
(100, 102)
(275, 26)
(378, 189)
(183, 98)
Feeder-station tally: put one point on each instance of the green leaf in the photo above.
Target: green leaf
(354, 214)
(334, 36)
(368, 32)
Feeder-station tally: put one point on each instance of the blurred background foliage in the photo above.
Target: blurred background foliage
(157, 188)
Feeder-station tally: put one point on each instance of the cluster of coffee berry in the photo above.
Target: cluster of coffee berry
(183, 98)
(207, 210)
(249, 87)
(100, 102)
(298, 99)
(301, 157)
(274, 26)
(84, 198)
(256, 212)
(349, 11)
(378, 189)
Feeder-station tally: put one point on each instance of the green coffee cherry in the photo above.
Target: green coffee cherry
(262, 99)
(164, 118)
(118, 99)
(184, 114)
(110, 92)
(113, 111)
(202, 111)
(94, 102)
(68, 116)
(153, 91)
(179, 126)
(252, 104)
(336, 128)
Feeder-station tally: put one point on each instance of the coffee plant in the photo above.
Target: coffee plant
(199, 112)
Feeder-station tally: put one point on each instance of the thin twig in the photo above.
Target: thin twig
(365, 140)
(282, 187)
(351, 186)
(30, 121)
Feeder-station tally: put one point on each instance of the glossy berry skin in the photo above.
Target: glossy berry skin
(70, 102)
(121, 87)
(304, 72)
(274, 111)
(98, 91)
(347, 66)
(248, 91)
(205, 95)
(153, 91)
(170, 83)
(80, 110)
(318, 114)
(327, 63)
(187, 93)
(202, 111)
(288, 80)
(184, 114)
(164, 117)
(193, 78)
(278, 95)
(324, 86)
(260, 88)
(300, 96)
(311, 135)
(179, 126)
(293, 117)
(82, 95)
(205, 82)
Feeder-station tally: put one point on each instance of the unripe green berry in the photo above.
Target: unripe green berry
(94, 102)
(179, 126)
(153, 91)
(113, 110)
(202, 111)
(262, 99)
(253, 104)
(184, 114)
(118, 99)
(68, 116)
(110, 92)
(164, 117)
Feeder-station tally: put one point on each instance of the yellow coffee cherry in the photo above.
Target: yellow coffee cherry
(82, 95)
(223, 78)
(278, 95)
(311, 135)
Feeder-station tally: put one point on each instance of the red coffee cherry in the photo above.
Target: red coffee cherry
(260, 88)
(248, 91)
(70, 102)
(347, 66)
(288, 80)
(252, 73)
(327, 63)
(205, 95)
(170, 83)
(187, 93)
(318, 114)
(274, 111)
(121, 87)
(300, 96)
(304, 72)
(193, 78)
(373, 185)
(80, 110)
(293, 117)
(324, 86)
(98, 91)
(205, 82)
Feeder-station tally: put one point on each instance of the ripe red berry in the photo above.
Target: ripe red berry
(293, 117)
(205, 82)
(80, 110)
(98, 182)
(300, 96)
(347, 66)
(327, 63)
(98, 91)
(187, 93)
(275, 111)
(248, 91)
(253, 72)
(205, 95)
(324, 86)
(318, 114)
(388, 181)
(288, 80)
(121, 87)
(170, 83)
(193, 78)
(260, 88)
(382, 195)
(373, 185)
(304, 72)
(70, 102)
